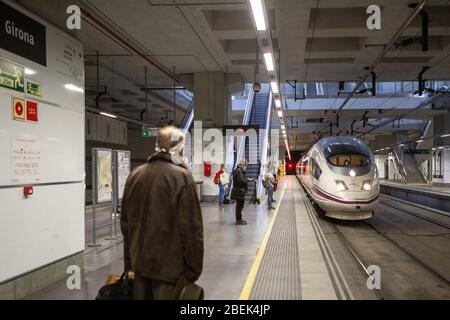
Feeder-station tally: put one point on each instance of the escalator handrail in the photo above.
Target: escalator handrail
(241, 145)
(245, 122)
(263, 151)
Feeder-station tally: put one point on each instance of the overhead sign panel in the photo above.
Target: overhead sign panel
(22, 35)
(11, 75)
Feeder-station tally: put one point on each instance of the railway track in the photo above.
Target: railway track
(359, 258)
(433, 212)
(363, 265)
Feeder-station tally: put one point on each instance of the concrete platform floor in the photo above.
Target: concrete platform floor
(424, 186)
(235, 255)
(229, 253)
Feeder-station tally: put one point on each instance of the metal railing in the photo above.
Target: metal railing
(422, 165)
(188, 118)
(399, 166)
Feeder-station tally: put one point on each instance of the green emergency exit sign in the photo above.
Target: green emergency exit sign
(149, 132)
(12, 76)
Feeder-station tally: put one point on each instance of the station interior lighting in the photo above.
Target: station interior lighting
(258, 14)
(283, 127)
(445, 135)
(261, 25)
(274, 86)
(29, 72)
(108, 115)
(268, 58)
(73, 87)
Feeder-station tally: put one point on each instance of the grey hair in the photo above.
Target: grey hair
(169, 138)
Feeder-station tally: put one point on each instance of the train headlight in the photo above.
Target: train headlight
(341, 186)
(352, 173)
(367, 185)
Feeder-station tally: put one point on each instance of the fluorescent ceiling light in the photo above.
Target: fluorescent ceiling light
(258, 14)
(401, 145)
(274, 86)
(419, 141)
(280, 113)
(441, 148)
(445, 135)
(29, 72)
(269, 61)
(73, 87)
(108, 115)
(278, 103)
(283, 127)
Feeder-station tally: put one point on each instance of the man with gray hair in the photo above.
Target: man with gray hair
(161, 221)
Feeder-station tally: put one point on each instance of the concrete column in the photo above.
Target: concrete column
(212, 108)
(441, 158)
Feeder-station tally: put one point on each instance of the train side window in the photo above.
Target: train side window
(315, 169)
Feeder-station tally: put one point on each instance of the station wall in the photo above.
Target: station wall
(44, 150)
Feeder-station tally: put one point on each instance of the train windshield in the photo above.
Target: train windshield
(349, 160)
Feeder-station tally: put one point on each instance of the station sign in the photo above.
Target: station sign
(18, 109)
(11, 75)
(34, 89)
(22, 35)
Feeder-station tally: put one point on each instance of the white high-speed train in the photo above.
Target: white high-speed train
(340, 176)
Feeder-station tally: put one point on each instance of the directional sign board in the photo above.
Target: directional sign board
(34, 89)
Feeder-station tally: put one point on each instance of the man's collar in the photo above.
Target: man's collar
(160, 156)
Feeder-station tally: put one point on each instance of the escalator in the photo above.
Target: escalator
(258, 117)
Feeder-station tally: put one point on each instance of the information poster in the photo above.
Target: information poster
(104, 176)
(26, 158)
(123, 170)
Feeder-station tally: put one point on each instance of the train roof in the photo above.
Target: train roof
(343, 145)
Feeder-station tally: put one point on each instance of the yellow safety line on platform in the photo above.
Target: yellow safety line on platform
(249, 282)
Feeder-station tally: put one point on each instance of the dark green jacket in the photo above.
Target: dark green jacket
(161, 222)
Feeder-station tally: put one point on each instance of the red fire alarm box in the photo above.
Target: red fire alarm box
(27, 191)
(207, 169)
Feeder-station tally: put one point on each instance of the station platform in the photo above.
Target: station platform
(258, 261)
(436, 197)
(291, 253)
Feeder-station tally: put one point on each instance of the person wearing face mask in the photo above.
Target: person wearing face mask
(161, 221)
(239, 190)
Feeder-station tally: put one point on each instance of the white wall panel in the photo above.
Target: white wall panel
(49, 225)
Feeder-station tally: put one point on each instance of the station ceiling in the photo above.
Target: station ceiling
(314, 40)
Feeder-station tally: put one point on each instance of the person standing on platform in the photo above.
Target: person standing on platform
(221, 179)
(239, 190)
(161, 221)
(268, 183)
